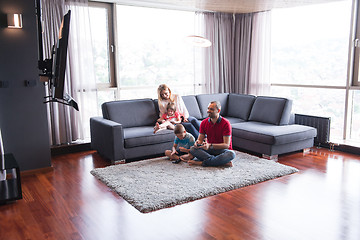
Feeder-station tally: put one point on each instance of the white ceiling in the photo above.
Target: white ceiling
(230, 6)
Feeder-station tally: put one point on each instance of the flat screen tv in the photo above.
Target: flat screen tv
(59, 59)
(54, 69)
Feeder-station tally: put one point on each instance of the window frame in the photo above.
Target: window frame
(353, 71)
(355, 45)
(109, 7)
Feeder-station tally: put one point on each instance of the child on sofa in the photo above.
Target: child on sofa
(168, 119)
(182, 144)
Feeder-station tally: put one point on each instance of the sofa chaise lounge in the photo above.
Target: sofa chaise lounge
(261, 125)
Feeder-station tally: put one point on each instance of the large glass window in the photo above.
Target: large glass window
(309, 62)
(356, 72)
(102, 41)
(354, 106)
(151, 49)
(310, 44)
(146, 48)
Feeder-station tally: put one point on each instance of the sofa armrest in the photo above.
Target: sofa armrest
(107, 137)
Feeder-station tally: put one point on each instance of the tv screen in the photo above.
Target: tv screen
(53, 69)
(59, 59)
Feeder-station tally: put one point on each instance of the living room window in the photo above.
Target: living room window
(103, 43)
(310, 55)
(146, 48)
(356, 43)
(151, 50)
(101, 22)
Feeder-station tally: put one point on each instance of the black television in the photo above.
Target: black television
(53, 69)
(59, 59)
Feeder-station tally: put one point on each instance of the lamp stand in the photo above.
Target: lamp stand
(2, 160)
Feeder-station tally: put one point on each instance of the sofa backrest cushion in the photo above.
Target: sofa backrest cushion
(240, 105)
(131, 113)
(156, 104)
(205, 99)
(271, 110)
(192, 106)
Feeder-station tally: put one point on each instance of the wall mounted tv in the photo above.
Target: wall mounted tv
(53, 69)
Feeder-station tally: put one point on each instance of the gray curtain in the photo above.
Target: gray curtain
(66, 124)
(239, 58)
(218, 28)
(242, 43)
(52, 13)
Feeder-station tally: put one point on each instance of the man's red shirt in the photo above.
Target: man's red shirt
(216, 132)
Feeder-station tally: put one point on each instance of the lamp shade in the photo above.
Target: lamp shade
(198, 41)
(14, 20)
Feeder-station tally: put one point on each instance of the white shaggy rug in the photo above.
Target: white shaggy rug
(157, 183)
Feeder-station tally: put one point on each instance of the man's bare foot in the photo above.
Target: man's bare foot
(229, 164)
(187, 157)
(192, 162)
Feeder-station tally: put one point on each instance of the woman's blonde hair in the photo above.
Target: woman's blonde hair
(161, 88)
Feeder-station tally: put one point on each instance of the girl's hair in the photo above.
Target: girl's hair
(161, 88)
(179, 128)
(171, 106)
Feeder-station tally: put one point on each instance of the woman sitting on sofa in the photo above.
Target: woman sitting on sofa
(165, 96)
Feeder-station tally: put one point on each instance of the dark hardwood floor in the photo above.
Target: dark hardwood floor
(322, 201)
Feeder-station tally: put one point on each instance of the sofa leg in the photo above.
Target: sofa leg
(121, 161)
(306, 150)
(272, 157)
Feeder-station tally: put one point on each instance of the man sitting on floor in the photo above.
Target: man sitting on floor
(217, 150)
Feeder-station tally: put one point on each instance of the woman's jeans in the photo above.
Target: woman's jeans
(192, 126)
(213, 157)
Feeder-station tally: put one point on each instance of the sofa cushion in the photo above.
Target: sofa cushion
(192, 106)
(131, 113)
(205, 99)
(240, 105)
(234, 120)
(142, 136)
(272, 134)
(156, 104)
(271, 110)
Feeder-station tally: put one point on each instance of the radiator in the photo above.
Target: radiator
(322, 124)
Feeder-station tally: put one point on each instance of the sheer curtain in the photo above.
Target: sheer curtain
(260, 57)
(239, 58)
(65, 123)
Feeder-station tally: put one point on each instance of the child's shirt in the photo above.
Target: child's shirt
(187, 142)
(167, 117)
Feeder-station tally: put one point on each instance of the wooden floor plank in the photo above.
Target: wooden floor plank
(322, 201)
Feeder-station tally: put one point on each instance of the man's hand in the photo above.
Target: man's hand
(203, 145)
(174, 152)
(198, 144)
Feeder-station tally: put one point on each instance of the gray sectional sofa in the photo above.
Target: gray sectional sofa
(260, 125)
